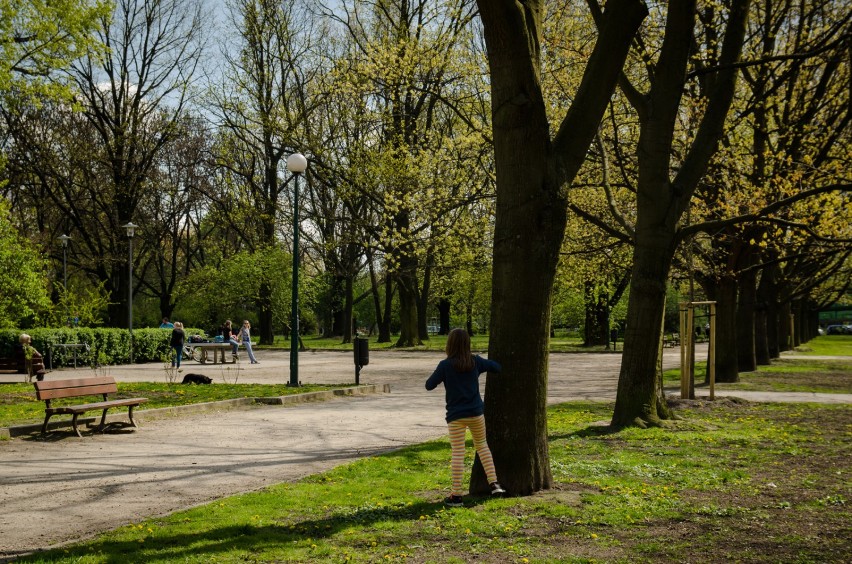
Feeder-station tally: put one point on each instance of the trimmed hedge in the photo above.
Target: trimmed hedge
(106, 346)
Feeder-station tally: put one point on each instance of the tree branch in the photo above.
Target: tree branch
(619, 24)
(710, 227)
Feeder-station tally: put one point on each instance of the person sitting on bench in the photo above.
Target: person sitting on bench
(30, 361)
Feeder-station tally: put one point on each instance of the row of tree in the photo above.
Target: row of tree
(388, 102)
(702, 122)
(564, 148)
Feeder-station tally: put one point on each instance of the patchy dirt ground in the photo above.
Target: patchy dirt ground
(793, 507)
(796, 508)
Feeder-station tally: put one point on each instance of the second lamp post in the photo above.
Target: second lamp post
(297, 164)
(131, 229)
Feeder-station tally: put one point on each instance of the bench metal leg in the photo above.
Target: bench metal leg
(44, 427)
(74, 424)
(130, 416)
(103, 421)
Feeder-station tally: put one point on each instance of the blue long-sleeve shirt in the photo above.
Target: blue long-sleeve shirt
(462, 388)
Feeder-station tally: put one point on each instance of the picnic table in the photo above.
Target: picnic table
(200, 352)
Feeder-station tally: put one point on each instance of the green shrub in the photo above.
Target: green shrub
(108, 345)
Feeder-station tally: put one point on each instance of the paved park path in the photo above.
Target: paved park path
(65, 488)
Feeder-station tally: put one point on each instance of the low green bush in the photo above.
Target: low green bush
(106, 346)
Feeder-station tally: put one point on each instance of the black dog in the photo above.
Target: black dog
(196, 379)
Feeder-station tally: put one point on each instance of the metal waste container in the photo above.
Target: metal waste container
(362, 356)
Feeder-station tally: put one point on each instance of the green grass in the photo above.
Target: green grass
(19, 406)
(789, 374)
(729, 482)
(784, 375)
(827, 345)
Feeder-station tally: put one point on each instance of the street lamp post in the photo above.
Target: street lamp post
(131, 229)
(65, 238)
(297, 164)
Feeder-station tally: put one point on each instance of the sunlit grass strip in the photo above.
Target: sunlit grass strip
(19, 406)
(387, 508)
(783, 375)
(827, 345)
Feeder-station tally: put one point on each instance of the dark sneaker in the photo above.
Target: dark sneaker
(497, 489)
(454, 501)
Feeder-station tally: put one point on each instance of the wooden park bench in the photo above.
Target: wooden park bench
(671, 340)
(80, 387)
(30, 368)
(8, 366)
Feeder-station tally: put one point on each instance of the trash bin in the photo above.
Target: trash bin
(362, 356)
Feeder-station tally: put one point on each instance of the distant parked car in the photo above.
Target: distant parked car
(836, 330)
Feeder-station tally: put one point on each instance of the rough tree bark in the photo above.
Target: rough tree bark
(662, 200)
(726, 329)
(746, 321)
(533, 172)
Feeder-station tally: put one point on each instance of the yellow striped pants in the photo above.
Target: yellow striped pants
(457, 430)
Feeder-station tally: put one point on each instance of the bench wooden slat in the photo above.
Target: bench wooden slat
(74, 382)
(77, 392)
(84, 407)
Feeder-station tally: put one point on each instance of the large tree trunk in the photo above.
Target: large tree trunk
(761, 337)
(596, 318)
(336, 307)
(265, 314)
(407, 285)
(423, 302)
(117, 286)
(662, 200)
(813, 320)
(726, 330)
(784, 334)
(524, 269)
(746, 356)
(532, 172)
(348, 304)
(166, 305)
(385, 320)
(773, 330)
(638, 400)
(382, 320)
(768, 296)
(798, 309)
(443, 316)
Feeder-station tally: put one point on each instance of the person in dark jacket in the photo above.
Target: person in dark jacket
(178, 339)
(459, 373)
(229, 336)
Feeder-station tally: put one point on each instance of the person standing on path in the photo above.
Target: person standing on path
(178, 339)
(459, 373)
(245, 337)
